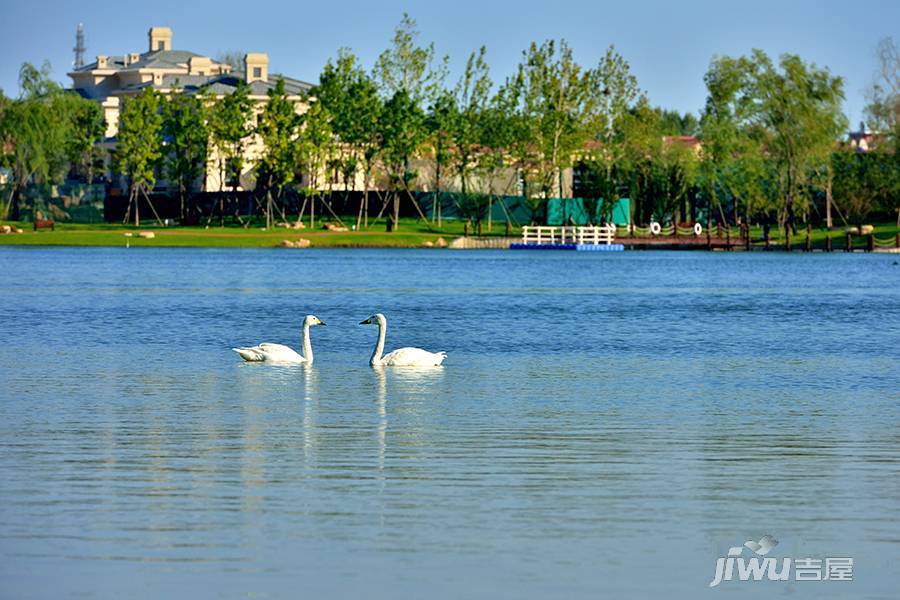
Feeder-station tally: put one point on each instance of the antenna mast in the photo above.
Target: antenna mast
(79, 46)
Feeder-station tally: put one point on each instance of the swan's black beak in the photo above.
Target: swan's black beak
(366, 322)
(323, 323)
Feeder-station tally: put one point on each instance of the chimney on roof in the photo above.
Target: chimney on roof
(200, 65)
(102, 61)
(256, 67)
(160, 38)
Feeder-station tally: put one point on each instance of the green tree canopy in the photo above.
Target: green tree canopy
(278, 129)
(139, 148)
(44, 131)
(788, 115)
(229, 126)
(186, 131)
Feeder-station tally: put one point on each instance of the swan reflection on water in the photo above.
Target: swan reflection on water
(410, 387)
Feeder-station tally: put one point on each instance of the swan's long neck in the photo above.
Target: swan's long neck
(379, 347)
(307, 345)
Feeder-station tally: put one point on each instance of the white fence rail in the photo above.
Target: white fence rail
(540, 235)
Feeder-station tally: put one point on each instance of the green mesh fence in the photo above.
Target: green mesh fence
(521, 211)
(73, 203)
(502, 208)
(567, 211)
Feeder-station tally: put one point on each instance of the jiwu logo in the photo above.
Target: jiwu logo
(753, 568)
(734, 565)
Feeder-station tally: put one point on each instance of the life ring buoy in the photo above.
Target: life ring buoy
(655, 228)
(698, 228)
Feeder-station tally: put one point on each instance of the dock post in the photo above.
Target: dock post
(466, 229)
(787, 237)
(728, 237)
(747, 234)
(708, 238)
(507, 228)
(808, 237)
(870, 243)
(849, 247)
(897, 241)
(828, 247)
(768, 237)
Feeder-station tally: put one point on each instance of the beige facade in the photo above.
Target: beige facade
(110, 79)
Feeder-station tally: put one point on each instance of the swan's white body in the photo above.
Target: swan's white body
(402, 357)
(279, 353)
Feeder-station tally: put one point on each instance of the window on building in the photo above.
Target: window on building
(160, 45)
(257, 72)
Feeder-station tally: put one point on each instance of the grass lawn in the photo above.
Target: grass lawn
(411, 233)
(883, 232)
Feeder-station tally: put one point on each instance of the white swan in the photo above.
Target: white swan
(278, 353)
(402, 357)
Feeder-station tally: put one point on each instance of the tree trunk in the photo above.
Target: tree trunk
(366, 203)
(137, 203)
(15, 212)
(396, 210)
(437, 190)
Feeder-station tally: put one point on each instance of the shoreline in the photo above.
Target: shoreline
(411, 234)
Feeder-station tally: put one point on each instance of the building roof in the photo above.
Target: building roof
(226, 84)
(217, 83)
(158, 59)
(689, 141)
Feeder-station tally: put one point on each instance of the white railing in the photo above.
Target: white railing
(541, 234)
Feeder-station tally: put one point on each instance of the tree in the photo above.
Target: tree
(186, 131)
(615, 92)
(314, 147)
(37, 133)
(641, 163)
(800, 109)
(673, 123)
(520, 133)
(232, 58)
(470, 99)
(408, 80)
(732, 167)
(883, 113)
(403, 131)
(441, 123)
(88, 128)
(789, 116)
(278, 129)
(229, 127)
(554, 97)
(140, 146)
(351, 98)
(883, 110)
(473, 207)
(409, 68)
(856, 182)
(792, 112)
(495, 138)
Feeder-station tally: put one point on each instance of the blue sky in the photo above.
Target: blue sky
(669, 44)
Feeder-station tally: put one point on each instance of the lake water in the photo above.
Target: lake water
(606, 425)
